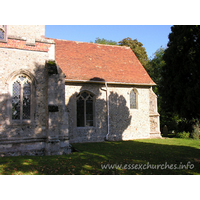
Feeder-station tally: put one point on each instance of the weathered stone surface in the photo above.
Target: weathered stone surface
(31, 137)
(125, 123)
(27, 31)
(154, 116)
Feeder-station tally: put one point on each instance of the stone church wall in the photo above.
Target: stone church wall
(26, 52)
(125, 123)
(26, 31)
(14, 62)
(92, 134)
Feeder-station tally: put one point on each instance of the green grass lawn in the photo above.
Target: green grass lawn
(144, 155)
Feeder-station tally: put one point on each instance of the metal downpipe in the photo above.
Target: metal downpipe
(107, 98)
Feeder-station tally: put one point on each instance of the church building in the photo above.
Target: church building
(55, 92)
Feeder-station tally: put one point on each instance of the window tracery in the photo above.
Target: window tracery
(85, 109)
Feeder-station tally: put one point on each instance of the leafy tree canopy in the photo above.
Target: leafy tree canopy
(137, 48)
(104, 41)
(154, 67)
(180, 83)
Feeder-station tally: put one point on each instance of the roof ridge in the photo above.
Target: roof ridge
(93, 43)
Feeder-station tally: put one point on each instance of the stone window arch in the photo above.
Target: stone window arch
(134, 99)
(22, 98)
(85, 109)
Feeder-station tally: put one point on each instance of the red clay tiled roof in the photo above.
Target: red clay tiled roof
(87, 61)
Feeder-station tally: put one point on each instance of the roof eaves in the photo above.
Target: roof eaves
(111, 83)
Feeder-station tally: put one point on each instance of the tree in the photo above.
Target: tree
(154, 67)
(180, 83)
(137, 48)
(104, 41)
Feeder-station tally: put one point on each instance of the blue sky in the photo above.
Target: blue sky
(151, 36)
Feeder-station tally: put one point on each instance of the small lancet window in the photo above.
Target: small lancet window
(133, 99)
(85, 116)
(21, 98)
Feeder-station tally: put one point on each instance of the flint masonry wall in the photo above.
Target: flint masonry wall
(26, 31)
(26, 52)
(31, 138)
(57, 138)
(125, 123)
(92, 134)
(12, 62)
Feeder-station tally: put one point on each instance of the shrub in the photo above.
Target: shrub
(183, 135)
(185, 125)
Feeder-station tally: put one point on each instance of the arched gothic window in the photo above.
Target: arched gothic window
(21, 98)
(85, 109)
(133, 99)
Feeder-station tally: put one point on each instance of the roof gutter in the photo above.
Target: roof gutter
(112, 83)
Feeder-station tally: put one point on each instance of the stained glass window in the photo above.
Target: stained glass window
(133, 100)
(21, 98)
(84, 109)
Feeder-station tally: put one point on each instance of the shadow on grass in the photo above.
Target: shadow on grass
(179, 153)
(171, 135)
